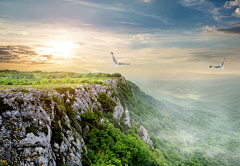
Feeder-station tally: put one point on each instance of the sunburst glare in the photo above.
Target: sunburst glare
(64, 49)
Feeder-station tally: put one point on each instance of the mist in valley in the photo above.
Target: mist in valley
(206, 113)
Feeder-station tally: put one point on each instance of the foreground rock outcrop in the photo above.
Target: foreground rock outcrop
(40, 127)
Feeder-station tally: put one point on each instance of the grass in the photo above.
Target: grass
(45, 87)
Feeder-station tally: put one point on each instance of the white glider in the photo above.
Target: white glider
(116, 63)
(219, 66)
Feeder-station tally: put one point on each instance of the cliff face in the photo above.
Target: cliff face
(43, 127)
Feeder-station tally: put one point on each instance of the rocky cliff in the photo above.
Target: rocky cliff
(39, 127)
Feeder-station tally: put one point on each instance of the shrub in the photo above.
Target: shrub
(47, 101)
(107, 103)
(64, 90)
(56, 133)
(109, 115)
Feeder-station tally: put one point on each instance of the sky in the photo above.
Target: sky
(161, 39)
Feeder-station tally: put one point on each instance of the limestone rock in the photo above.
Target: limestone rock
(118, 112)
(127, 119)
(144, 135)
(28, 128)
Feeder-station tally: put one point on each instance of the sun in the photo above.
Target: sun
(64, 49)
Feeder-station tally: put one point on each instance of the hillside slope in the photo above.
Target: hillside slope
(209, 130)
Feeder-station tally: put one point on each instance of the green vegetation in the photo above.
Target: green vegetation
(47, 101)
(107, 103)
(154, 120)
(32, 129)
(44, 130)
(3, 163)
(144, 113)
(25, 91)
(56, 131)
(63, 90)
(205, 143)
(60, 110)
(111, 147)
(14, 77)
(107, 145)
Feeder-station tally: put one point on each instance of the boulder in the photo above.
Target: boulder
(118, 112)
(127, 119)
(144, 135)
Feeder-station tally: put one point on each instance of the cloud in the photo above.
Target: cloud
(6, 29)
(130, 23)
(236, 13)
(8, 58)
(111, 40)
(218, 8)
(235, 23)
(233, 30)
(80, 43)
(154, 16)
(87, 24)
(213, 56)
(21, 54)
(147, 1)
(42, 46)
(118, 9)
(48, 56)
(208, 29)
(18, 54)
(96, 5)
(230, 4)
(24, 33)
(203, 6)
(18, 49)
(38, 62)
(199, 23)
(202, 56)
(3, 52)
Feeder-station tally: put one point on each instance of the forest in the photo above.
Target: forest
(201, 136)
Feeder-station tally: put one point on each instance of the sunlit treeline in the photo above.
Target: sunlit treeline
(14, 77)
